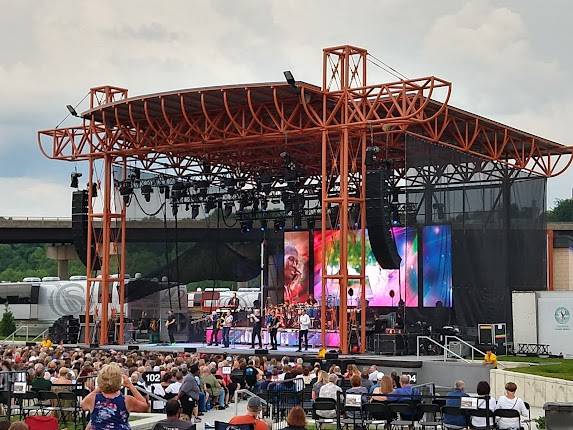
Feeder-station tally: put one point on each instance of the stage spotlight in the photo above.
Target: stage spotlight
(146, 191)
(279, 225)
(228, 210)
(136, 175)
(264, 204)
(297, 221)
(164, 189)
(74, 182)
(94, 189)
(126, 190)
(264, 224)
(177, 190)
(72, 110)
(194, 211)
(246, 226)
(290, 78)
(210, 204)
(371, 153)
(266, 182)
(311, 222)
(174, 209)
(395, 216)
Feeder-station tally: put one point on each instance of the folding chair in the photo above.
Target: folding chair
(69, 398)
(220, 425)
(40, 422)
(404, 410)
(353, 410)
(508, 413)
(322, 404)
(32, 407)
(376, 414)
(453, 411)
(49, 402)
(482, 413)
(430, 409)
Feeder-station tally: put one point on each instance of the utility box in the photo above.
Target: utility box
(558, 416)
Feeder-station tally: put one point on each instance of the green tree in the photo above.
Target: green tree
(562, 212)
(7, 323)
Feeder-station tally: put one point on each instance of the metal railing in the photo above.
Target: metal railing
(12, 337)
(249, 394)
(472, 348)
(445, 349)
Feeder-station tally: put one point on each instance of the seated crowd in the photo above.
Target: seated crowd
(191, 384)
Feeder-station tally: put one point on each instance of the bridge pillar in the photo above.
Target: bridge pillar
(62, 254)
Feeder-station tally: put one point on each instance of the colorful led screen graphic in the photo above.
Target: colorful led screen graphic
(437, 267)
(296, 266)
(379, 282)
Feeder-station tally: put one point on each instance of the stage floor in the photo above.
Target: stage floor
(404, 361)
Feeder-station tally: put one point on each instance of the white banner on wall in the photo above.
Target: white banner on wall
(555, 322)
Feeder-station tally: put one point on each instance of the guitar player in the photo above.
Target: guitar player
(170, 323)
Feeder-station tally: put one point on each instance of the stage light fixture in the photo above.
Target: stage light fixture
(74, 179)
(279, 225)
(297, 221)
(311, 222)
(94, 189)
(72, 111)
(194, 211)
(395, 216)
(146, 191)
(177, 190)
(264, 224)
(174, 209)
(371, 153)
(126, 190)
(290, 78)
(187, 207)
(210, 204)
(228, 210)
(264, 204)
(246, 226)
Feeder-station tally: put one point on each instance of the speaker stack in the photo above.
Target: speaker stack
(65, 329)
(80, 228)
(379, 209)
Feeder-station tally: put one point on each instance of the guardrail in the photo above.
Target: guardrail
(472, 348)
(25, 328)
(445, 349)
(248, 394)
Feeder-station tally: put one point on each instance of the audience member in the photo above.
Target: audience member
(382, 389)
(483, 390)
(510, 401)
(321, 381)
(330, 391)
(254, 408)
(296, 419)
(458, 391)
(173, 421)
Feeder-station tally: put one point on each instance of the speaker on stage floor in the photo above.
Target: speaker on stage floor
(379, 215)
(30, 343)
(132, 347)
(331, 355)
(261, 351)
(190, 350)
(94, 345)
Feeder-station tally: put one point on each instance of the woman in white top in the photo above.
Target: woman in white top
(509, 401)
(483, 390)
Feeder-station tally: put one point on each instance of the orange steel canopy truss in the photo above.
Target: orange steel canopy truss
(244, 128)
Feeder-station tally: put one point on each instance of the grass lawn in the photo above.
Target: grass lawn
(550, 367)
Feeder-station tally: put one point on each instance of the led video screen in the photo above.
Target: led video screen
(296, 266)
(437, 267)
(383, 287)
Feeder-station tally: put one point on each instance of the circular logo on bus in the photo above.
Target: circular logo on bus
(562, 315)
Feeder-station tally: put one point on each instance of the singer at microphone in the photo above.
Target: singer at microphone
(294, 291)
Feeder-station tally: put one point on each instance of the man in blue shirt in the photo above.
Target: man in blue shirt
(458, 391)
(405, 392)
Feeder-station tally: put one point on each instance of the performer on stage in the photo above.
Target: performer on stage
(311, 301)
(234, 302)
(273, 327)
(227, 324)
(304, 322)
(215, 326)
(171, 326)
(256, 319)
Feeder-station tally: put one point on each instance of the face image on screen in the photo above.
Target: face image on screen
(296, 270)
(379, 282)
(437, 249)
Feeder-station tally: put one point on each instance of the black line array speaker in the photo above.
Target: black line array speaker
(379, 215)
(80, 228)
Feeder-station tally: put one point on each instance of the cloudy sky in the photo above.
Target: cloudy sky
(508, 60)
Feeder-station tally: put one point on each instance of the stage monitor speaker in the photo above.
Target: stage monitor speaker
(190, 350)
(30, 343)
(94, 345)
(331, 355)
(261, 351)
(379, 216)
(132, 347)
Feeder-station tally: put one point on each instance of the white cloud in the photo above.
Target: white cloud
(32, 197)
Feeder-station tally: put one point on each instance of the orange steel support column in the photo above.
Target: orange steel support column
(323, 227)
(343, 273)
(105, 249)
(122, 264)
(362, 203)
(89, 271)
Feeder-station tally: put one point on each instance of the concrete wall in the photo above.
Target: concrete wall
(536, 390)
